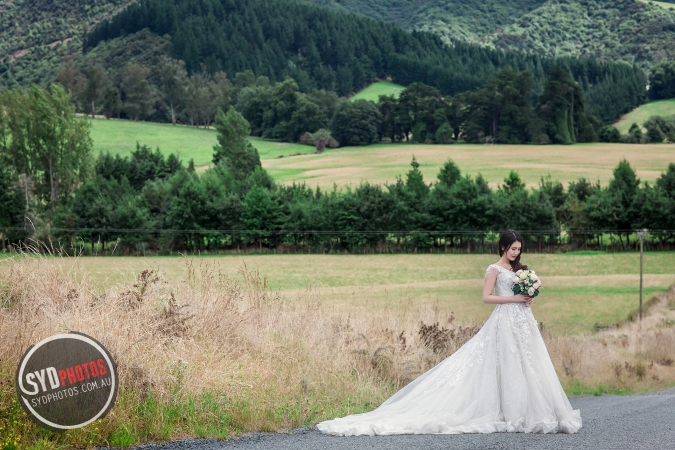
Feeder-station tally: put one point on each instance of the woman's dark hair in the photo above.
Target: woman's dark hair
(506, 239)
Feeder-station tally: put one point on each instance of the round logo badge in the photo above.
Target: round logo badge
(66, 381)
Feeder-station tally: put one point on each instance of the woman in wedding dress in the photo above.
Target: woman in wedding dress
(502, 380)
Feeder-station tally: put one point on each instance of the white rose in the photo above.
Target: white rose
(516, 279)
(537, 285)
(519, 273)
(534, 277)
(530, 291)
(523, 276)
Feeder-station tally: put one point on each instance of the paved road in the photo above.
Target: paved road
(610, 422)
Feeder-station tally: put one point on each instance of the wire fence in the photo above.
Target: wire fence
(104, 240)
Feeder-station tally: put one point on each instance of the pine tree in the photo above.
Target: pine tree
(234, 149)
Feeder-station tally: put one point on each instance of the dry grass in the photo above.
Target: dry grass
(580, 286)
(638, 356)
(381, 163)
(210, 354)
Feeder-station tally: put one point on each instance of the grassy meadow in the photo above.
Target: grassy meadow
(642, 113)
(381, 163)
(579, 287)
(120, 137)
(375, 90)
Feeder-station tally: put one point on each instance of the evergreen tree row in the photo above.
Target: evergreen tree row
(333, 51)
(224, 208)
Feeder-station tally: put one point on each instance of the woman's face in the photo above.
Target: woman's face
(513, 251)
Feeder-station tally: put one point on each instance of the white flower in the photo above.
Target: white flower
(537, 285)
(519, 273)
(516, 279)
(534, 277)
(523, 276)
(530, 291)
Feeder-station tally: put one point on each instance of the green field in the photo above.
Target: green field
(381, 163)
(578, 287)
(120, 137)
(641, 114)
(375, 90)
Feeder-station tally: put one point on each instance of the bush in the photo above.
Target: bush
(444, 134)
(609, 134)
(659, 127)
(635, 132)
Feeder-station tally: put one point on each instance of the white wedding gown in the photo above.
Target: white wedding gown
(502, 380)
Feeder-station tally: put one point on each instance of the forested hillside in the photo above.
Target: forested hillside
(628, 30)
(466, 20)
(36, 35)
(317, 47)
(27, 24)
(623, 30)
(323, 49)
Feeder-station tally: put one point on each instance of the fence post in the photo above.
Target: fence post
(641, 233)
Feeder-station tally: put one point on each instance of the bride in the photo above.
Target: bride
(502, 380)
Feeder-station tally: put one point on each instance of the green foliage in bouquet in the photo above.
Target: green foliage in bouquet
(526, 282)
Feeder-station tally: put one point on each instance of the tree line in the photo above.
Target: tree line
(322, 49)
(151, 202)
(505, 110)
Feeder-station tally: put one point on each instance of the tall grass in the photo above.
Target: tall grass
(210, 354)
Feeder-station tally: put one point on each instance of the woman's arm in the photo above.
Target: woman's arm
(489, 287)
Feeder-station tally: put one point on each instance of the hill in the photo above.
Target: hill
(465, 20)
(640, 114)
(37, 35)
(627, 30)
(324, 49)
(318, 47)
(624, 30)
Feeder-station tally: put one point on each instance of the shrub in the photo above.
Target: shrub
(609, 134)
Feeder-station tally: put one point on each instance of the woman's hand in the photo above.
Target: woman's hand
(522, 298)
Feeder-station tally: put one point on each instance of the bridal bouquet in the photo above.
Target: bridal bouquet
(526, 282)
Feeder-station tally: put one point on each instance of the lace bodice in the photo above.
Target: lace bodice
(504, 283)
